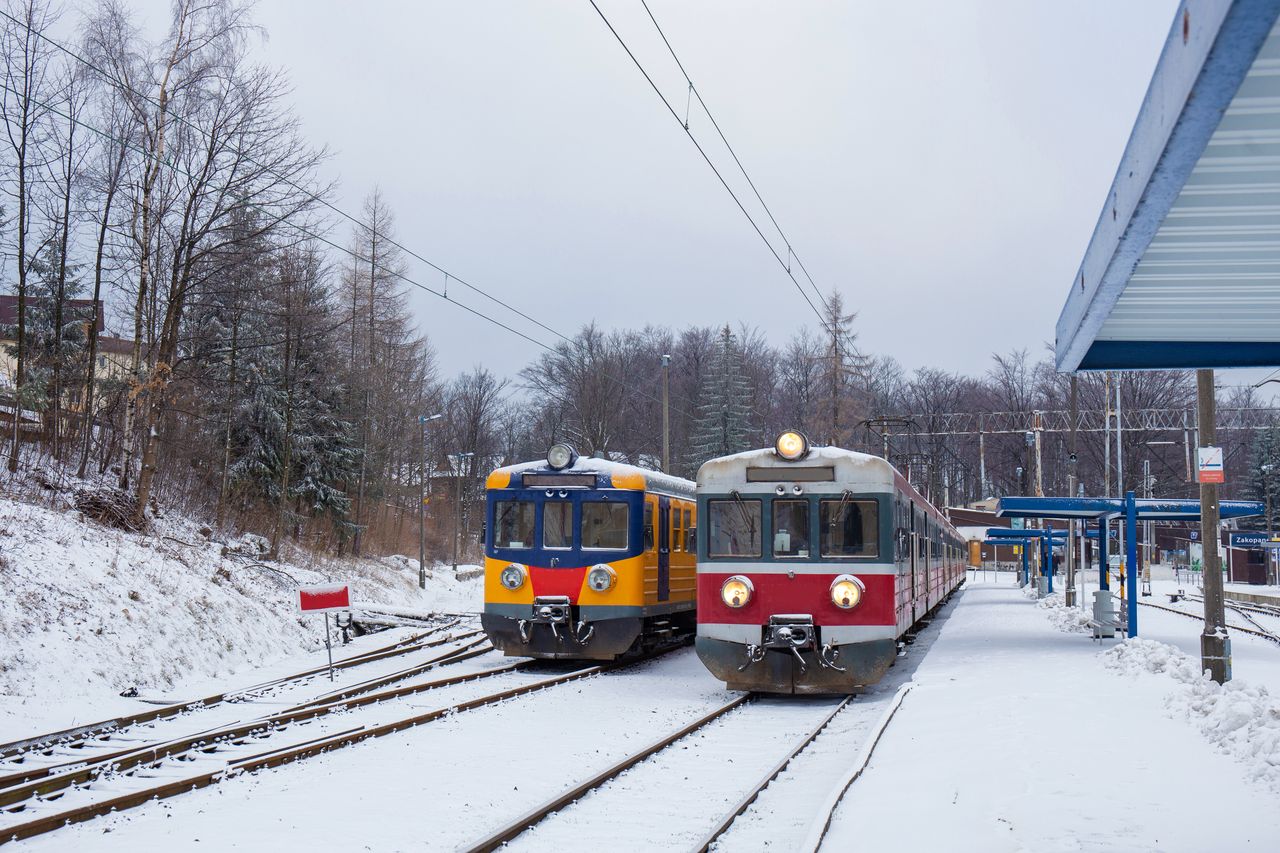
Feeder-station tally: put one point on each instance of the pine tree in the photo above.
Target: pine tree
(722, 426)
(1264, 471)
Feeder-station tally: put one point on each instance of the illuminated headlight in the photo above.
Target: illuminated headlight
(846, 592)
(792, 445)
(736, 591)
(561, 456)
(512, 576)
(601, 578)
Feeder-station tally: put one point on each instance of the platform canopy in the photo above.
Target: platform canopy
(1183, 269)
(1098, 509)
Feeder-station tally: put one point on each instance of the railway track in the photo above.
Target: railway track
(71, 737)
(129, 778)
(1257, 631)
(564, 802)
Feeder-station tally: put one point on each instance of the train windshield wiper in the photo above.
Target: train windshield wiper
(742, 508)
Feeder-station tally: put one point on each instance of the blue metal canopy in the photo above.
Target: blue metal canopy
(1183, 269)
(1148, 509)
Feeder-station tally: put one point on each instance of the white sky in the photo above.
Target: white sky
(942, 163)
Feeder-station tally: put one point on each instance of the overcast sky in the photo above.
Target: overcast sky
(942, 164)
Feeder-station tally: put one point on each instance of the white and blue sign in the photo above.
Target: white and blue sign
(1252, 540)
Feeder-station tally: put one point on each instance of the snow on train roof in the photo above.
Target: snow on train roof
(848, 463)
(655, 480)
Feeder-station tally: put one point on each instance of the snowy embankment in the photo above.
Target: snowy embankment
(1239, 718)
(87, 611)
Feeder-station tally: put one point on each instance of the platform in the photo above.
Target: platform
(1023, 736)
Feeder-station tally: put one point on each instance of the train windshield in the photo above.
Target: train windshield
(849, 528)
(513, 524)
(605, 524)
(557, 524)
(734, 528)
(791, 528)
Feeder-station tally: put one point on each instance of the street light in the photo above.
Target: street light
(457, 515)
(424, 476)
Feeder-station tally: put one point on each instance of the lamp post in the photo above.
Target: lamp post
(1265, 468)
(424, 475)
(666, 414)
(457, 510)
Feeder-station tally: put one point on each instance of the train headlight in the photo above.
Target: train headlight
(792, 445)
(846, 592)
(512, 576)
(561, 456)
(601, 578)
(736, 591)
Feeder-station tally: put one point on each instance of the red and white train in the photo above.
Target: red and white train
(812, 565)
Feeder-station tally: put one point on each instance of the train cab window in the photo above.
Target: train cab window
(557, 524)
(791, 528)
(733, 528)
(604, 524)
(849, 528)
(513, 524)
(650, 541)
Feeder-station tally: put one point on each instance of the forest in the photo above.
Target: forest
(268, 376)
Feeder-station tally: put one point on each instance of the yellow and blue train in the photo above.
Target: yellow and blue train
(587, 558)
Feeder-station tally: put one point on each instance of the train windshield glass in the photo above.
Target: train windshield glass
(791, 528)
(604, 524)
(513, 524)
(734, 528)
(557, 524)
(849, 528)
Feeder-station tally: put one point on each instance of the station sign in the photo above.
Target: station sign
(329, 598)
(1253, 540)
(1211, 469)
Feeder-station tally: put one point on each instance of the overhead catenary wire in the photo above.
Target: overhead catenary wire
(791, 252)
(675, 115)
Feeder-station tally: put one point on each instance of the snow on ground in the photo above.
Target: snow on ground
(1020, 737)
(87, 611)
(435, 787)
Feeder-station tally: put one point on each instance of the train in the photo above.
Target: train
(587, 558)
(814, 564)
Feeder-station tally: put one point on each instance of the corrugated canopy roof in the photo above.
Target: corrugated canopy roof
(1183, 269)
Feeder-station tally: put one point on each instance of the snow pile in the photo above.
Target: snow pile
(1072, 620)
(1241, 719)
(88, 610)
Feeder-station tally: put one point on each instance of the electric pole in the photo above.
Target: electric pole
(1215, 645)
(666, 414)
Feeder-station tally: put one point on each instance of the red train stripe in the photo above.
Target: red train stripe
(557, 581)
(776, 594)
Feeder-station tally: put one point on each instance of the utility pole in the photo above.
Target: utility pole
(423, 478)
(982, 459)
(1031, 445)
(1070, 592)
(666, 414)
(1038, 426)
(1215, 645)
(457, 510)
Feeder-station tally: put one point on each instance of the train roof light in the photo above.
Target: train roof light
(561, 456)
(792, 445)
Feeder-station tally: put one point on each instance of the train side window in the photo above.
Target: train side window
(557, 524)
(677, 531)
(604, 524)
(791, 528)
(733, 528)
(513, 523)
(849, 528)
(648, 526)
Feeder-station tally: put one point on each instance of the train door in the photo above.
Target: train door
(664, 548)
(915, 550)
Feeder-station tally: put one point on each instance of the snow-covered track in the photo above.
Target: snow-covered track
(15, 751)
(49, 779)
(715, 743)
(1257, 632)
(236, 749)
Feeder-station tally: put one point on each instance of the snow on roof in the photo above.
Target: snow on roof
(728, 468)
(654, 480)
